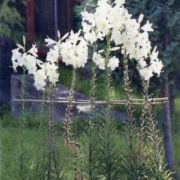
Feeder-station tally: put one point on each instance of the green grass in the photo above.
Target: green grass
(34, 144)
(176, 134)
(10, 148)
(11, 134)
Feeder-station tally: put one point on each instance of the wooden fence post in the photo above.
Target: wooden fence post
(31, 20)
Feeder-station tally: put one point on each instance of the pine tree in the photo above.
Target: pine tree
(10, 18)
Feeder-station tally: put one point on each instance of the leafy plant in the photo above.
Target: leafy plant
(11, 19)
(143, 156)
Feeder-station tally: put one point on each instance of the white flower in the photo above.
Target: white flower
(102, 3)
(89, 19)
(33, 51)
(48, 72)
(50, 42)
(103, 23)
(103, 27)
(147, 27)
(146, 73)
(29, 63)
(154, 55)
(17, 59)
(113, 63)
(120, 2)
(26, 60)
(142, 63)
(117, 37)
(74, 50)
(99, 61)
(155, 63)
(53, 54)
(40, 79)
(141, 17)
(64, 37)
(20, 47)
(51, 71)
(90, 37)
(88, 27)
(157, 67)
(97, 26)
(42, 72)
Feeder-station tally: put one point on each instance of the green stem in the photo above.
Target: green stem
(129, 103)
(52, 157)
(108, 123)
(69, 136)
(128, 92)
(90, 122)
(69, 111)
(22, 128)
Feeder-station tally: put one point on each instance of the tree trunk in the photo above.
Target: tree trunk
(5, 72)
(166, 126)
(45, 18)
(172, 96)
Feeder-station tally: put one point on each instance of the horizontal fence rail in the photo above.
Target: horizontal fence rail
(155, 101)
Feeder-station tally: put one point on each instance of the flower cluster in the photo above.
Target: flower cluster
(110, 22)
(42, 72)
(25, 59)
(98, 25)
(131, 35)
(155, 67)
(47, 73)
(74, 50)
(100, 61)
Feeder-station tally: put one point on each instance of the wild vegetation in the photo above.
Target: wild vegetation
(97, 147)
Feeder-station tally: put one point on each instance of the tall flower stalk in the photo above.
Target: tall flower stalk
(23, 154)
(151, 140)
(106, 152)
(143, 123)
(52, 146)
(108, 124)
(22, 131)
(40, 169)
(128, 93)
(69, 136)
(68, 132)
(145, 113)
(91, 125)
(131, 129)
